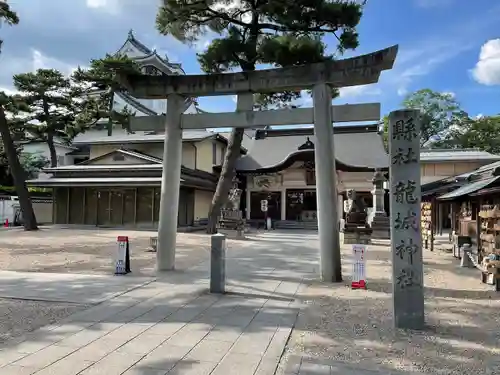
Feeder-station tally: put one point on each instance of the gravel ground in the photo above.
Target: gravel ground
(355, 326)
(87, 251)
(18, 317)
(93, 250)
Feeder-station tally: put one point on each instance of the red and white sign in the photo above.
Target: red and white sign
(358, 267)
(122, 263)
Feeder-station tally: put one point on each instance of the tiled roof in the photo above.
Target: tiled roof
(140, 137)
(439, 155)
(135, 154)
(490, 166)
(135, 103)
(358, 148)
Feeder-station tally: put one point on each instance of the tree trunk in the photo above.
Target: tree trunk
(52, 150)
(110, 114)
(110, 126)
(18, 175)
(245, 102)
(226, 178)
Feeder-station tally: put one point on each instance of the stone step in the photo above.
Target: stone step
(284, 224)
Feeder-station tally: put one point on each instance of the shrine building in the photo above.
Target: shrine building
(279, 167)
(115, 181)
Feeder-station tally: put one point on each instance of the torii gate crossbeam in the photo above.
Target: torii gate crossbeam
(320, 77)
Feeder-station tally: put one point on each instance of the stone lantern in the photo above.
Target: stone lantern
(380, 224)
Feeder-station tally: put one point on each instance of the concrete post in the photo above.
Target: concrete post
(218, 264)
(283, 204)
(326, 185)
(170, 185)
(248, 203)
(406, 240)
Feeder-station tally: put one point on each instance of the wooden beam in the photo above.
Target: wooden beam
(256, 119)
(355, 71)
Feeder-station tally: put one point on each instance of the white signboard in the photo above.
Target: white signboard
(263, 205)
(358, 267)
(121, 256)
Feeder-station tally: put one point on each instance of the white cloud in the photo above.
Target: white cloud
(36, 60)
(421, 61)
(402, 91)
(7, 90)
(110, 6)
(487, 69)
(355, 91)
(41, 61)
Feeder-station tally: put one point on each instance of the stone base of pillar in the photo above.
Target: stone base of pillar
(358, 236)
(381, 227)
(234, 234)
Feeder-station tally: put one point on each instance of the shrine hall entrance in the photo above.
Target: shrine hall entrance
(273, 205)
(301, 205)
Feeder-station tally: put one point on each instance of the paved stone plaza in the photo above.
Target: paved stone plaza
(277, 318)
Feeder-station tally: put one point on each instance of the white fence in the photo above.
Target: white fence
(41, 206)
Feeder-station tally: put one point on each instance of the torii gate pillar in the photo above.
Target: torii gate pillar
(361, 70)
(170, 185)
(326, 185)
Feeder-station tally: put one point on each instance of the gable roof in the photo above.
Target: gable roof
(355, 146)
(135, 103)
(141, 158)
(147, 137)
(449, 155)
(149, 55)
(140, 137)
(136, 43)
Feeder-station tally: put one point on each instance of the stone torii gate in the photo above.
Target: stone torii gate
(319, 77)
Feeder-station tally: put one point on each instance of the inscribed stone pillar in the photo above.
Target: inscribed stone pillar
(326, 185)
(218, 263)
(405, 195)
(170, 185)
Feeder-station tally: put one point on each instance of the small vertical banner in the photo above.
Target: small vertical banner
(358, 267)
(122, 265)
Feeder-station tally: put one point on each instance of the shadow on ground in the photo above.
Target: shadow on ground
(335, 323)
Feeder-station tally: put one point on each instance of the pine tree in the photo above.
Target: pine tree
(54, 108)
(99, 85)
(252, 32)
(10, 104)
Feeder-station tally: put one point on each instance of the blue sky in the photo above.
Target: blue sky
(445, 45)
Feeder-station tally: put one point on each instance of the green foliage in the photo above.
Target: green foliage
(52, 106)
(98, 86)
(276, 32)
(10, 190)
(438, 110)
(8, 16)
(33, 164)
(481, 133)
(446, 125)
